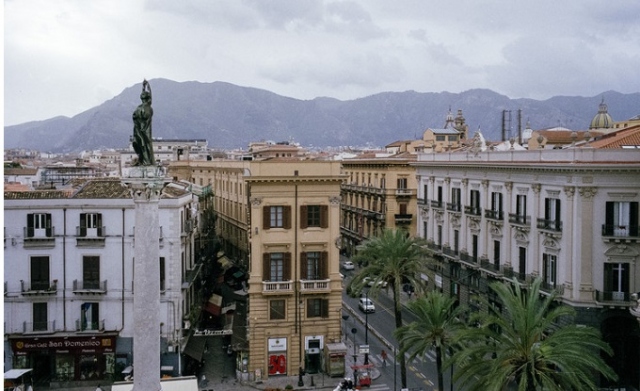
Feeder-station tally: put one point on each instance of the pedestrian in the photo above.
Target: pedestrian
(98, 388)
(383, 354)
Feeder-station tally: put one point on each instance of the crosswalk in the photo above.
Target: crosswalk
(376, 359)
(379, 387)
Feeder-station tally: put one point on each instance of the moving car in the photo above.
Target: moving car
(348, 265)
(366, 305)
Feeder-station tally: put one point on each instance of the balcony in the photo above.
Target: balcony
(434, 246)
(39, 237)
(404, 192)
(620, 232)
(403, 218)
(473, 210)
(90, 287)
(191, 275)
(89, 326)
(437, 204)
(315, 286)
(450, 252)
(277, 287)
(39, 327)
(619, 299)
(550, 225)
(494, 214)
(188, 227)
(363, 189)
(469, 259)
(38, 288)
(90, 237)
(552, 287)
(454, 207)
(493, 267)
(521, 220)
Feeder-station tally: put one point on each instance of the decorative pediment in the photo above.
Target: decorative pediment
(619, 251)
(474, 225)
(521, 237)
(454, 220)
(495, 229)
(550, 244)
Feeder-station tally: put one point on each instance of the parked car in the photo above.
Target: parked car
(369, 282)
(348, 265)
(366, 305)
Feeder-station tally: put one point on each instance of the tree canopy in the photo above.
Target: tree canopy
(529, 342)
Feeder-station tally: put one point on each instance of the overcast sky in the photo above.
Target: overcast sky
(65, 56)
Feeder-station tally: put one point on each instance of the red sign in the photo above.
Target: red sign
(277, 364)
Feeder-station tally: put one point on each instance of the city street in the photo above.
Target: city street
(421, 373)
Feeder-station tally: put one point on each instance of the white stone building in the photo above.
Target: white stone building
(569, 217)
(68, 290)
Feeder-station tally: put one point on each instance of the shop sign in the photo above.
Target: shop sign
(277, 344)
(67, 345)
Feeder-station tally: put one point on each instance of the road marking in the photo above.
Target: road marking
(431, 356)
(381, 387)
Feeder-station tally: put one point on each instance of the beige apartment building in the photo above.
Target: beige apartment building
(379, 193)
(280, 222)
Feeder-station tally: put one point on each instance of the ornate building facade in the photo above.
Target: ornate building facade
(569, 217)
(68, 291)
(379, 193)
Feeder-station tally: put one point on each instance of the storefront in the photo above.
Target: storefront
(71, 358)
(277, 360)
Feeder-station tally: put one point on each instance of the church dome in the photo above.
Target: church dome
(602, 120)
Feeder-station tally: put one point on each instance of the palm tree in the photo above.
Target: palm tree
(391, 259)
(530, 343)
(438, 321)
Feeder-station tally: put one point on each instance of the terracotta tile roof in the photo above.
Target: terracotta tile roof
(562, 136)
(37, 194)
(20, 171)
(107, 188)
(623, 137)
(102, 189)
(16, 187)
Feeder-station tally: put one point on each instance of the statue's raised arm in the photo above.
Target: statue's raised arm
(142, 135)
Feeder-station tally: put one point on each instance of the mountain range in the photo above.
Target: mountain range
(231, 116)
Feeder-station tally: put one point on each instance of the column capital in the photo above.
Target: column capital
(587, 192)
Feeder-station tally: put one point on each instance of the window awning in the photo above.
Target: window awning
(225, 262)
(195, 347)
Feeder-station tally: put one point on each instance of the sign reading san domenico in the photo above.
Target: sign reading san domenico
(88, 344)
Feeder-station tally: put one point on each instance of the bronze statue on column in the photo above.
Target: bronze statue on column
(142, 135)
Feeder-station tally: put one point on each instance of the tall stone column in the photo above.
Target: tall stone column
(146, 185)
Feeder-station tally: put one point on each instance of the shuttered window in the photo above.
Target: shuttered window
(317, 308)
(276, 266)
(314, 216)
(314, 265)
(276, 216)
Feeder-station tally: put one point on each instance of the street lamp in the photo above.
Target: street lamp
(345, 317)
(366, 329)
